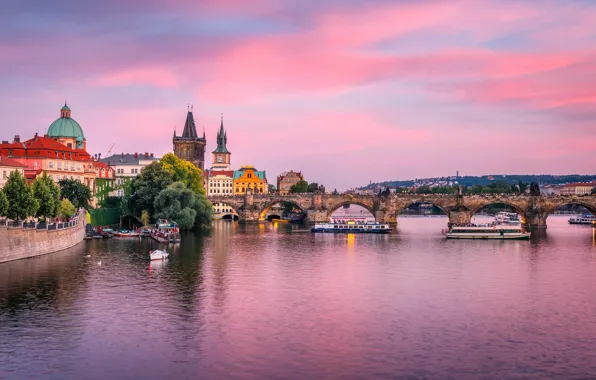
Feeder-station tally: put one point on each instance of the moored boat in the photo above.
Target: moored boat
(511, 218)
(487, 231)
(583, 219)
(126, 234)
(166, 232)
(352, 227)
(158, 255)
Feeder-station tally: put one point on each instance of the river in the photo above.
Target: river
(269, 301)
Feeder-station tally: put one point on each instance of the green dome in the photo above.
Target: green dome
(65, 108)
(65, 127)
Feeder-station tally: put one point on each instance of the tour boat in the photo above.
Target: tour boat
(511, 218)
(166, 232)
(584, 219)
(487, 231)
(158, 255)
(352, 227)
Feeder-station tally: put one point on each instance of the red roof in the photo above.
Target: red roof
(576, 184)
(227, 173)
(7, 161)
(43, 146)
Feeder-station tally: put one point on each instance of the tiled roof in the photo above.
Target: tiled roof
(127, 159)
(227, 173)
(7, 161)
(238, 173)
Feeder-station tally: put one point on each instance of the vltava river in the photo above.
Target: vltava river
(261, 302)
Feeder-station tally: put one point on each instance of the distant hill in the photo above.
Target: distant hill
(484, 180)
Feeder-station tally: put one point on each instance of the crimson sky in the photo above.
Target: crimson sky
(346, 91)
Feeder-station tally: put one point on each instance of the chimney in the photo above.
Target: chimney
(151, 155)
(146, 154)
(4, 142)
(17, 138)
(122, 154)
(136, 155)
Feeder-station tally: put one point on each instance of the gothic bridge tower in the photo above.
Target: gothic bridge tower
(190, 146)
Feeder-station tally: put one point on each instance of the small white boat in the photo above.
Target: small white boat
(158, 255)
(352, 227)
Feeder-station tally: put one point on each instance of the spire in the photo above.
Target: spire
(222, 139)
(190, 130)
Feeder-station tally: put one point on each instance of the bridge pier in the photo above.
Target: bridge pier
(316, 216)
(459, 217)
(536, 219)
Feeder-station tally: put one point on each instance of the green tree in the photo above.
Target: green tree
(67, 209)
(140, 193)
(177, 203)
(424, 190)
(145, 218)
(76, 192)
(47, 194)
(183, 171)
(3, 203)
(21, 201)
(300, 187)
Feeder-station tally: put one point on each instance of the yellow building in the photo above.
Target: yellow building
(247, 177)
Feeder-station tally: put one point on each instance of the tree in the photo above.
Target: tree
(76, 192)
(593, 191)
(522, 187)
(313, 187)
(3, 203)
(140, 193)
(145, 218)
(67, 209)
(47, 194)
(183, 171)
(177, 203)
(21, 201)
(300, 187)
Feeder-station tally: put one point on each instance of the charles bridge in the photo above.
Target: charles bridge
(534, 210)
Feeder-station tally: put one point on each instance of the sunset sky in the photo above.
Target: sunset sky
(345, 91)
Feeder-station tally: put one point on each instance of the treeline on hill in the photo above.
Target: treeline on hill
(171, 189)
(486, 180)
(497, 187)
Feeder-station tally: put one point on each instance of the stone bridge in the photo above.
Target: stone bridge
(534, 210)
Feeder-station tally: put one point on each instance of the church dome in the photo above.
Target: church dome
(65, 126)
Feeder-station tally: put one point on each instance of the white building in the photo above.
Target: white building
(127, 166)
(7, 166)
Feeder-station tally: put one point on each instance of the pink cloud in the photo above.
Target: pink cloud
(153, 76)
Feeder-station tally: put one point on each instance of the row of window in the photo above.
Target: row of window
(132, 171)
(218, 184)
(220, 191)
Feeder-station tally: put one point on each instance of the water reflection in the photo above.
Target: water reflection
(275, 301)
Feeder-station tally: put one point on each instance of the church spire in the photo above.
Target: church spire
(190, 130)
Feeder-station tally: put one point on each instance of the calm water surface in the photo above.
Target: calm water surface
(260, 302)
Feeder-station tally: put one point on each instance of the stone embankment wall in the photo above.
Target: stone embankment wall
(19, 243)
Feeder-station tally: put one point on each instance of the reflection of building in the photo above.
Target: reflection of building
(248, 178)
(7, 166)
(582, 188)
(127, 166)
(286, 180)
(190, 146)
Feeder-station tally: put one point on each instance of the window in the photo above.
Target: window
(4, 174)
(59, 165)
(51, 164)
(10, 153)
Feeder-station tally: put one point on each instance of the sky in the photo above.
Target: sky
(345, 91)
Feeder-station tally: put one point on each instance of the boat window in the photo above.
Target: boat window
(334, 226)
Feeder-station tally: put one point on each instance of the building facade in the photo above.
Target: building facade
(105, 180)
(190, 146)
(127, 166)
(220, 179)
(582, 188)
(286, 180)
(247, 178)
(7, 166)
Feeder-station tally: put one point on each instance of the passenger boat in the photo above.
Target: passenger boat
(166, 232)
(511, 218)
(158, 255)
(487, 231)
(352, 227)
(145, 233)
(584, 219)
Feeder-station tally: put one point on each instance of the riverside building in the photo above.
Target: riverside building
(127, 166)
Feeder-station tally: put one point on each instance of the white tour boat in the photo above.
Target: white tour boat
(158, 255)
(352, 227)
(487, 231)
(584, 219)
(511, 218)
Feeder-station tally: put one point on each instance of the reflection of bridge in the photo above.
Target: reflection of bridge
(459, 209)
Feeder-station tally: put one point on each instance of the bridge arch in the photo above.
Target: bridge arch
(339, 205)
(267, 206)
(415, 201)
(516, 208)
(227, 203)
(590, 206)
